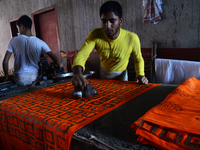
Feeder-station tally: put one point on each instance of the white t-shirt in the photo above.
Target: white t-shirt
(27, 51)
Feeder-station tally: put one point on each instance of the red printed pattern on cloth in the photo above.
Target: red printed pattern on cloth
(47, 118)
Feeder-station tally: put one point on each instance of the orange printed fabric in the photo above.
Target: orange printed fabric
(47, 118)
(173, 124)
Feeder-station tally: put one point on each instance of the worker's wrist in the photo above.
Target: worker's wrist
(140, 76)
(77, 70)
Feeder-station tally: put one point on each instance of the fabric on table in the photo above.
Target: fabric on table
(47, 118)
(171, 71)
(175, 122)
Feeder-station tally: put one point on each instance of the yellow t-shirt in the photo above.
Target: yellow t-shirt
(114, 54)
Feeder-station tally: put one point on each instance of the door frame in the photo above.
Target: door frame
(53, 7)
(11, 21)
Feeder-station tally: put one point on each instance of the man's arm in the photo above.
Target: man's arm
(139, 62)
(81, 57)
(140, 77)
(5, 64)
(55, 59)
(139, 68)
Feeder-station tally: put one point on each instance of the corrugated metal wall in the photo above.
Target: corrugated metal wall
(179, 28)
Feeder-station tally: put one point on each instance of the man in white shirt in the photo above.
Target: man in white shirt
(27, 50)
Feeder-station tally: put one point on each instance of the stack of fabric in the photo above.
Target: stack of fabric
(175, 122)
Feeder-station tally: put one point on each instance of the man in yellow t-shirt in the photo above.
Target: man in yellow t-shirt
(114, 47)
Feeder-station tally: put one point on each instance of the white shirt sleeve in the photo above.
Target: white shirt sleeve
(45, 48)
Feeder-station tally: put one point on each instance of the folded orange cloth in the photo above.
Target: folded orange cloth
(47, 118)
(175, 122)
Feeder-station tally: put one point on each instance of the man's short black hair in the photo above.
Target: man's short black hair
(111, 6)
(25, 21)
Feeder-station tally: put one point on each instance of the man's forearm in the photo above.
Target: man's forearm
(5, 69)
(5, 63)
(55, 59)
(139, 68)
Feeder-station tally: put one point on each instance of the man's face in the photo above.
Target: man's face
(111, 24)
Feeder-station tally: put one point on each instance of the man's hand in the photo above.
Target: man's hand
(142, 79)
(78, 79)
